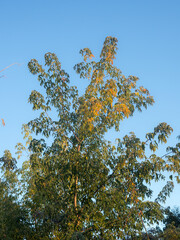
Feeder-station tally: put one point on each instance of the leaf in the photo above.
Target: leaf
(3, 123)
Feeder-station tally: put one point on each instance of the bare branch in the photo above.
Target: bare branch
(9, 66)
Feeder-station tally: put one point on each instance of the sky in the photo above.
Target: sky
(148, 36)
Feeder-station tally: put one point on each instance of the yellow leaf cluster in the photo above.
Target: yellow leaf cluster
(123, 108)
(143, 90)
(113, 92)
(111, 89)
(90, 125)
(91, 56)
(95, 107)
(86, 56)
(109, 57)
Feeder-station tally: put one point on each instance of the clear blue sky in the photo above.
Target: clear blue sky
(149, 47)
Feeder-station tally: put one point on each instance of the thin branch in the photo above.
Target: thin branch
(167, 154)
(140, 215)
(80, 141)
(9, 66)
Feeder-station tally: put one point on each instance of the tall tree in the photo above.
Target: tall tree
(80, 186)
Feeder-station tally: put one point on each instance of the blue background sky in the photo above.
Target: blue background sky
(149, 47)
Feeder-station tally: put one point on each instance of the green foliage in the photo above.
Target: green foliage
(76, 185)
(172, 217)
(13, 216)
(171, 233)
(171, 230)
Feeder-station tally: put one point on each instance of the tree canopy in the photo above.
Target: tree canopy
(76, 184)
